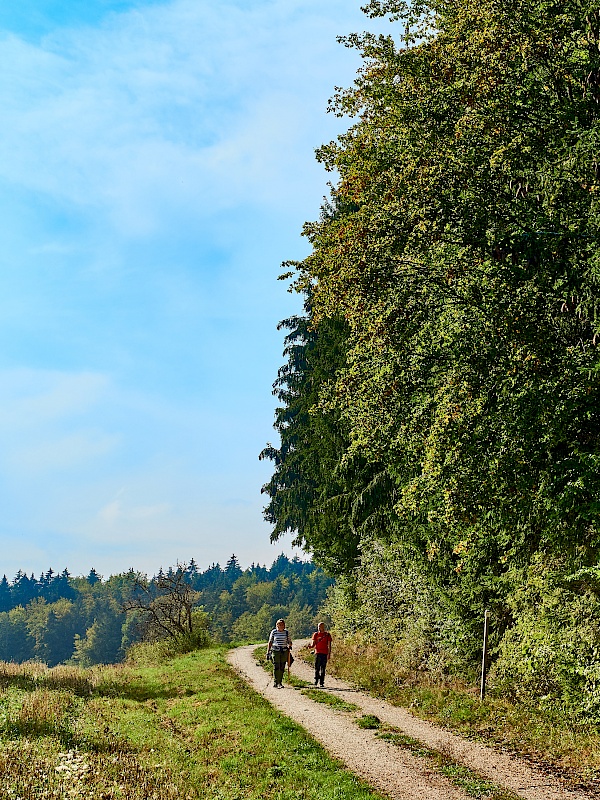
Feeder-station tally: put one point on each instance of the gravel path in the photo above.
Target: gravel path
(392, 770)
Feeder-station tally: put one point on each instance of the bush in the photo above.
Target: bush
(389, 600)
(552, 653)
(153, 652)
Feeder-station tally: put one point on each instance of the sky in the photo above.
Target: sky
(156, 167)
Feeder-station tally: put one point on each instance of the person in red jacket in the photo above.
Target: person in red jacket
(321, 646)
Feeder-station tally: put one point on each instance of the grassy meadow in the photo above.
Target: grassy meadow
(185, 728)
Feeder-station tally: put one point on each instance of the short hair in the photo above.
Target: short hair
(280, 620)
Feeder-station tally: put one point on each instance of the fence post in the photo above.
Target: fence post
(484, 655)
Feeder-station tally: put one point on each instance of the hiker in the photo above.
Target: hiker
(321, 645)
(279, 649)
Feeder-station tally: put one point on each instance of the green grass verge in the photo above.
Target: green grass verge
(319, 696)
(569, 748)
(369, 721)
(185, 729)
(470, 782)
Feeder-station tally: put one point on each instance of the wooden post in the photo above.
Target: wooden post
(484, 655)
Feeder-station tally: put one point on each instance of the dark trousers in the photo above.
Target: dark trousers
(280, 660)
(320, 664)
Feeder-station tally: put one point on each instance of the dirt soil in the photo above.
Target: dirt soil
(392, 770)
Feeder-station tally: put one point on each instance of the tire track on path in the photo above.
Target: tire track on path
(393, 770)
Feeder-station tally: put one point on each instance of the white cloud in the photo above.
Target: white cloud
(155, 170)
(46, 421)
(182, 108)
(117, 512)
(62, 452)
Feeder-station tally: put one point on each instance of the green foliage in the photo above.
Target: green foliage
(551, 656)
(255, 627)
(392, 597)
(247, 611)
(311, 494)
(88, 624)
(442, 386)
(102, 642)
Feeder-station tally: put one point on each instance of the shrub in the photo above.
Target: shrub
(390, 600)
(551, 655)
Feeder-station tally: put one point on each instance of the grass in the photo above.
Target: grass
(369, 721)
(185, 728)
(470, 782)
(319, 696)
(554, 741)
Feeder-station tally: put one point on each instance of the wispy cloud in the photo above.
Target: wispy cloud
(29, 397)
(155, 170)
(119, 512)
(187, 107)
(46, 421)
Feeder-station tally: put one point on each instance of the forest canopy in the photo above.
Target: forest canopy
(59, 618)
(440, 403)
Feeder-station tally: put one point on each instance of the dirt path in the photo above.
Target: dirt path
(390, 769)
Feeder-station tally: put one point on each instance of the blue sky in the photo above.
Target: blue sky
(156, 166)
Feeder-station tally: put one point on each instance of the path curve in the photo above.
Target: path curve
(392, 770)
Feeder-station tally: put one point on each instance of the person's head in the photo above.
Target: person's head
(280, 624)
(321, 627)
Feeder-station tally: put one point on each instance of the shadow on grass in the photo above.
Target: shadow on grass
(140, 691)
(102, 741)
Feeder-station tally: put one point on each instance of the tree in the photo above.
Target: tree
(319, 491)
(93, 577)
(24, 589)
(233, 569)
(102, 643)
(5, 595)
(459, 258)
(165, 604)
(16, 643)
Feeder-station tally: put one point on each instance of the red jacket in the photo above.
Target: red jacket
(321, 642)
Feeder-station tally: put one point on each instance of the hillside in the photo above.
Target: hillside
(187, 728)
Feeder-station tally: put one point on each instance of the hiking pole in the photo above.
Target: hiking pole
(289, 661)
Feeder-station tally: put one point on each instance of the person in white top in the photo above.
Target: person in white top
(279, 649)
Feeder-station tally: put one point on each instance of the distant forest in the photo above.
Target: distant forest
(59, 618)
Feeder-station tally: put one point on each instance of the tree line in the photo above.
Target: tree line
(439, 414)
(60, 618)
